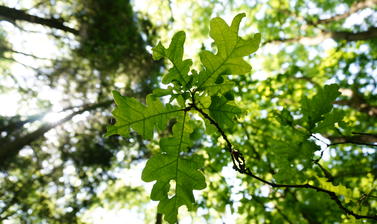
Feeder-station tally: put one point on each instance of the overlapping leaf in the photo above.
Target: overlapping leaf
(321, 104)
(222, 111)
(174, 163)
(339, 190)
(219, 88)
(231, 50)
(179, 72)
(329, 120)
(131, 114)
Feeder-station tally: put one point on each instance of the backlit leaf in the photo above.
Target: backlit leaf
(315, 108)
(179, 72)
(231, 48)
(131, 114)
(223, 111)
(175, 163)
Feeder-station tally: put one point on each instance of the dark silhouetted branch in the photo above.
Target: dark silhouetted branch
(371, 33)
(23, 53)
(159, 218)
(12, 14)
(358, 139)
(239, 165)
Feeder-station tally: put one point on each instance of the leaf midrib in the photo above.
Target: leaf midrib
(145, 118)
(226, 59)
(178, 151)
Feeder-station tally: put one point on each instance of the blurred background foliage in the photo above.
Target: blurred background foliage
(60, 60)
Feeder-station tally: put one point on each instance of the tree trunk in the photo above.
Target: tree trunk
(11, 149)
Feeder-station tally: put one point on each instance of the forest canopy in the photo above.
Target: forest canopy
(188, 111)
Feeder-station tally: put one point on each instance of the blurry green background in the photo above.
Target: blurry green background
(60, 60)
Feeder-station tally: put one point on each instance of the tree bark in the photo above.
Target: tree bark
(11, 149)
(358, 139)
(371, 33)
(357, 101)
(355, 7)
(12, 14)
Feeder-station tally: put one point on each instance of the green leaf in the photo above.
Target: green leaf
(131, 114)
(218, 88)
(179, 72)
(203, 101)
(329, 120)
(223, 111)
(339, 190)
(285, 117)
(231, 49)
(175, 163)
(162, 92)
(314, 109)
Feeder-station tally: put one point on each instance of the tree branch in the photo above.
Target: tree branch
(355, 7)
(358, 139)
(371, 33)
(239, 165)
(23, 53)
(357, 101)
(11, 149)
(371, 110)
(12, 14)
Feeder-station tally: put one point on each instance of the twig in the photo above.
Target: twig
(239, 165)
(353, 142)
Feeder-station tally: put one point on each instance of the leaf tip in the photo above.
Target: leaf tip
(158, 51)
(115, 93)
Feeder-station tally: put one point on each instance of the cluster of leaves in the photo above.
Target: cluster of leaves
(206, 92)
(208, 95)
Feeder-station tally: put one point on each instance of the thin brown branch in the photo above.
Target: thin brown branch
(355, 7)
(239, 165)
(25, 54)
(20, 63)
